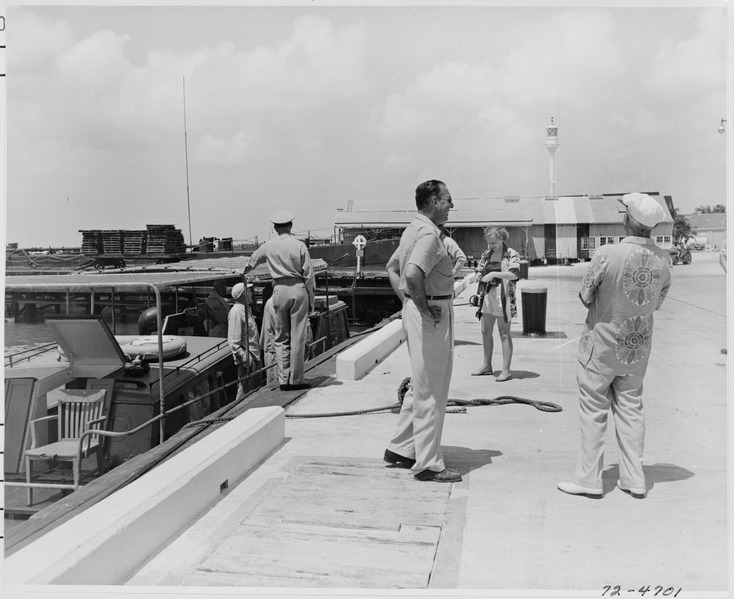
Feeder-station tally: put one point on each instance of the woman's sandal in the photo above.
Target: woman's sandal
(503, 377)
(483, 372)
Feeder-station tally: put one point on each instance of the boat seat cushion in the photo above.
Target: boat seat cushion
(60, 450)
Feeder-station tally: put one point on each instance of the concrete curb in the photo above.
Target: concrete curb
(355, 362)
(109, 541)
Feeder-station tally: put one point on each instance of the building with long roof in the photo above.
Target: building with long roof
(711, 225)
(549, 228)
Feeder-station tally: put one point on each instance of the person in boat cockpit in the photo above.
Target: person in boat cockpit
(244, 339)
(216, 309)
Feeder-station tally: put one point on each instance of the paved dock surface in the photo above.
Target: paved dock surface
(324, 513)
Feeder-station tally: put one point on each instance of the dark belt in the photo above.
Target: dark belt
(433, 297)
(288, 281)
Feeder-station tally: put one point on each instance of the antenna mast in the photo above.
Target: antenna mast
(186, 149)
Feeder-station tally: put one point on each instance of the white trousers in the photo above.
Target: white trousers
(598, 393)
(420, 423)
(290, 303)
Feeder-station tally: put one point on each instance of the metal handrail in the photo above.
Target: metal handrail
(162, 415)
(31, 352)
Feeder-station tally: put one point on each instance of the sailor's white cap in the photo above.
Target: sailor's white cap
(282, 217)
(239, 289)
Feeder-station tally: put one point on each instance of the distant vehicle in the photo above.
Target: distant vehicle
(697, 243)
(680, 252)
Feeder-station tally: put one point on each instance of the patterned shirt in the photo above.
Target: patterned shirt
(623, 285)
(510, 263)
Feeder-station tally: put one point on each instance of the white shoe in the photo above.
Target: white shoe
(574, 489)
(636, 492)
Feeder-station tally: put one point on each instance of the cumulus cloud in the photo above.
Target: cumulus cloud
(35, 42)
(571, 56)
(693, 65)
(301, 105)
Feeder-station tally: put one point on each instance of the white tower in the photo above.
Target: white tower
(551, 142)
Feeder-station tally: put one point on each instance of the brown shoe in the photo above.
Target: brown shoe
(444, 476)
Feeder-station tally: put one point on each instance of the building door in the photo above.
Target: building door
(582, 239)
(550, 241)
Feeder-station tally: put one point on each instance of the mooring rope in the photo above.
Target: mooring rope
(454, 406)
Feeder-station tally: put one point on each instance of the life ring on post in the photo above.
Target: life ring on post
(145, 347)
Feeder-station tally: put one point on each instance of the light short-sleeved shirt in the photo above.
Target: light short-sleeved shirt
(285, 256)
(421, 244)
(624, 284)
(242, 334)
(458, 257)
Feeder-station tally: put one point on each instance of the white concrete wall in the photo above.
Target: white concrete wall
(355, 362)
(106, 543)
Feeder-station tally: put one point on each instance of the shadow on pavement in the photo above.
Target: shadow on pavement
(658, 473)
(523, 374)
(465, 460)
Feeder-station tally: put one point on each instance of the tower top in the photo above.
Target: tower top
(551, 130)
(551, 137)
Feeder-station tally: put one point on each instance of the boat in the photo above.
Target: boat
(155, 383)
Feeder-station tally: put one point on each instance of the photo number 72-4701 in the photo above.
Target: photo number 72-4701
(657, 591)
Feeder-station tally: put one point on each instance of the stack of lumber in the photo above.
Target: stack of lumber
(165, 239)
(112, 241)
(134, 243)
(91, 242)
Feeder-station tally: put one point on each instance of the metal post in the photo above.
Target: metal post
(161, 392)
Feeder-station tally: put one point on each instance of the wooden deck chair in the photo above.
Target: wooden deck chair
(78, 411)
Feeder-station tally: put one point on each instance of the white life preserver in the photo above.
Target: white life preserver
(146, 347)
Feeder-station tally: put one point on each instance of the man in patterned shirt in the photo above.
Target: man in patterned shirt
(622, 287)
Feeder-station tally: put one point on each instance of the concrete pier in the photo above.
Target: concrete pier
(325, 515)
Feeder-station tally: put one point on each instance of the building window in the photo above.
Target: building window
(603, 240)
(619, 239)
(663, 239)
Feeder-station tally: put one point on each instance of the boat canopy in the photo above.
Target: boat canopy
(161, 276)
(90, 281)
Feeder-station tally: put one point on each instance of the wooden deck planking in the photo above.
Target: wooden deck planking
(305, 533)
(323, 556)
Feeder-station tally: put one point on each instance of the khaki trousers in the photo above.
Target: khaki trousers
(598, 393)
(420, 423)
(290, 302)
(247, 384)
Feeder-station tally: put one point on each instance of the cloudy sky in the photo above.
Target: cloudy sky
(306, 107)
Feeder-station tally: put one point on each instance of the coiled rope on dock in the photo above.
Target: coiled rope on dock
(453, 406)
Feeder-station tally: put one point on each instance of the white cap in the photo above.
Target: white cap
(239, 289)
(282, 217)
(645, 209)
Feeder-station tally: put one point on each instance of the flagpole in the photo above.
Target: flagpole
(186, 149)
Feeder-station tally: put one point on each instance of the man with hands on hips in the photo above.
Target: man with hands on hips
(421, 273)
